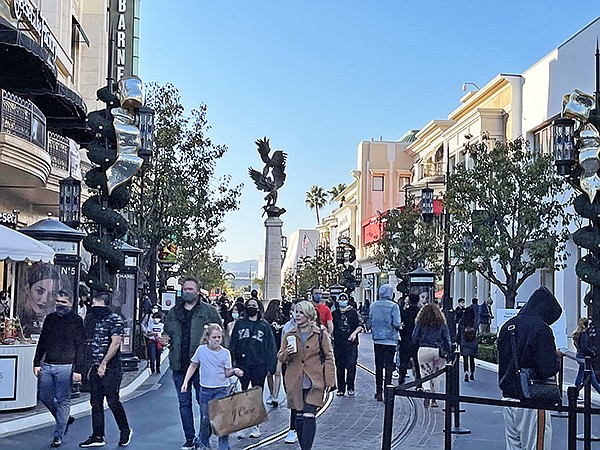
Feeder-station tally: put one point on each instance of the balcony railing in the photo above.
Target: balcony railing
(22, 118)
(58, 147)
(432, 169)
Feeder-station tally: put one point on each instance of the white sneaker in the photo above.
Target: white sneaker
(291, 437)
(395, 374)
(269, 400)
(254, 432)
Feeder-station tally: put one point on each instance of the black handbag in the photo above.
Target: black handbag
(545, 392)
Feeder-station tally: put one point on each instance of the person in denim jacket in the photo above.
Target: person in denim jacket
(384, 321)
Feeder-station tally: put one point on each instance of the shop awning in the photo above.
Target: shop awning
(25, 63)
(64, 109)
(15, 246)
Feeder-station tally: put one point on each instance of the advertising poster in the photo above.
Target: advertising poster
(8, 377)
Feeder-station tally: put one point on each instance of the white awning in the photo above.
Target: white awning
(15, 246)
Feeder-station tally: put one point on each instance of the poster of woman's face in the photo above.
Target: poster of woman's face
(424, 297)
(38, 285)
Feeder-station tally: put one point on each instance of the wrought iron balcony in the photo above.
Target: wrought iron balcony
(58, 147)
(431, 169)
(23, 119)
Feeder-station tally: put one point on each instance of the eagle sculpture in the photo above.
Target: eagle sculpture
(272, 176)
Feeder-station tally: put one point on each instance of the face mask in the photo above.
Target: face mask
(154, 311)
(251, 311)
(316, 298)
(156, 320)
(343, 303)
(189, 297)
(235, 316)
(61, 310)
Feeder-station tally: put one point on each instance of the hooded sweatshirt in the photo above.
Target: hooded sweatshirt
(536, 348)
(384, 317)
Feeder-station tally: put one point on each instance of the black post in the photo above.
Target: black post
(587, 402)
(450, 403)
(457, 429)
(388, 417)
(572, 424)
(152, 275)
(447, 301)
(561, 380)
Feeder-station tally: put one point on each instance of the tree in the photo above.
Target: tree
(316, 198)
(321, 270)
(178, 197)
(407, 242)
(335, 191)
(507, 221)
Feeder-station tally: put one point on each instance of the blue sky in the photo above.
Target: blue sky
(318, 77)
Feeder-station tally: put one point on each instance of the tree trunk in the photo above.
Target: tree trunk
(510, 299)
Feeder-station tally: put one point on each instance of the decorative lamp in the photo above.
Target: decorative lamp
(69, 211)
(564, 145)
(145, 122)
(427, 204)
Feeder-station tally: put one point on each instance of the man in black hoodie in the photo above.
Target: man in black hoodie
(536, 349)
(408, 349)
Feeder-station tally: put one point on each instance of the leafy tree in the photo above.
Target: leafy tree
(178, 197)
(316, 198)
(321, 270)
(407, 242)
(507, 219)
(335, 191)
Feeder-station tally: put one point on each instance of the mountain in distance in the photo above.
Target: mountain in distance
(241, 269)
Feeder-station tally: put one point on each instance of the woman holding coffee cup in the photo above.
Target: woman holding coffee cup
(310, 370)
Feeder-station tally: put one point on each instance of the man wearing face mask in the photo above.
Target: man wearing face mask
(184, 327)
(323, 311)
(58, 360)
(347, 324)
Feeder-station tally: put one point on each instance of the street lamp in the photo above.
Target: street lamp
(564, 145)
(145, 123)
(427, 204)
(284, 248)
(69, 196)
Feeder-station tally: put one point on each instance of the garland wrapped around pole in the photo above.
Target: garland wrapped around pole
(114, 152)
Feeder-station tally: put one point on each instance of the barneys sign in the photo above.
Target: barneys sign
(24, 10)
(121, 25)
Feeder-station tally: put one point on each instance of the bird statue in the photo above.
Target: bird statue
(272, 176)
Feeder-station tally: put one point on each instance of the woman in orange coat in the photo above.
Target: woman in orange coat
(310, 370)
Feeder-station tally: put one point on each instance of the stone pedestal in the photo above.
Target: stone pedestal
(272, 281)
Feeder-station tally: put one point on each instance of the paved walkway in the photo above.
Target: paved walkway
(347, 423)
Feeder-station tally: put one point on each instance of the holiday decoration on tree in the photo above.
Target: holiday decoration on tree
(114, 151)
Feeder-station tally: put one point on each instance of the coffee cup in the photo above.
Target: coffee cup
(291, 340)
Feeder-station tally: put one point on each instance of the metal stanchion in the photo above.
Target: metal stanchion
(587, 437)
(448, 409)
(560, 414)
(388, 417)
(455, 403)
(572, 394)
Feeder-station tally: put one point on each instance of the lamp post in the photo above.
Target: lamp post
(576, 140)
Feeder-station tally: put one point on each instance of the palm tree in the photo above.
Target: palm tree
(336, 190)
(316, 198)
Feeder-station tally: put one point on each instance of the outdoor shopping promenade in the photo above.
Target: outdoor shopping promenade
(345, 423)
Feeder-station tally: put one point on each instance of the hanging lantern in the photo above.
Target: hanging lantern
(427, 204)
(145, 122)
(69, 211)
(564, 145)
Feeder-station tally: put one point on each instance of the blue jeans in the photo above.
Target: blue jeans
(206, 395)
(55, 393)
(579, 378)
(185, 402)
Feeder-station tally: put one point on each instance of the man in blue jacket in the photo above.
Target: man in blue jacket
(384, 321)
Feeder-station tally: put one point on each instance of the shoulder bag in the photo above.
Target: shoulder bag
(545, 392)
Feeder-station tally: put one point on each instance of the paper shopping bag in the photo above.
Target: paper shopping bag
(237, 411)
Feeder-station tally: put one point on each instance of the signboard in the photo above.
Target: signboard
(167, 300)
(62, 247)
(8, 377)
(31, 15)
(9, 219)
(124, 57)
